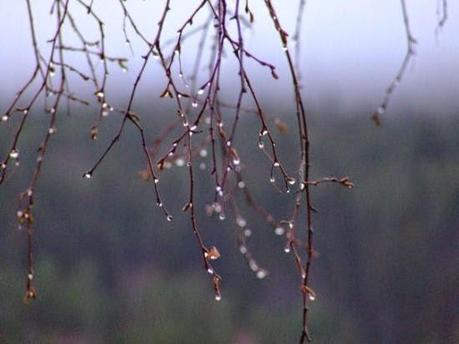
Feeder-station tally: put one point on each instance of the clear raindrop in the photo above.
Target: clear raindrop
(279, 230)
(261, 274)
(14, 154)
(203, 153)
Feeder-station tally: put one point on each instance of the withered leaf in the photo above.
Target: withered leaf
(212, 253)
(281, 126)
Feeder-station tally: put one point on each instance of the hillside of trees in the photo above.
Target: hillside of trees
(111, 269)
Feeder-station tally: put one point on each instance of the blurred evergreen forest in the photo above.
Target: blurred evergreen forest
(110, 269)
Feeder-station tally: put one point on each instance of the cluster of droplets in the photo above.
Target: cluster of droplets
(263, 132)
(281, 230)
(203, 154)
(105, 108)
(244, 233)
(289, 181)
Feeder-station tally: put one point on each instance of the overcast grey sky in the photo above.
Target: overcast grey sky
(350, 49)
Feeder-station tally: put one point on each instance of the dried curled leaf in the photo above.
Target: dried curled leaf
(24, 216)
(212, 253)
(145, 175)
(30, 295)
(166, 94)
(376, 120)
(94, 131)
(251, 17)
(281, 126)
(122, 63)
(250, 13)
(133, 117)
(216, 284)
(309, 292)
(234, 156)
(187, 206)
(347, 182)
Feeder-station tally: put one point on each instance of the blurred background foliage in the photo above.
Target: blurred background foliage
(111, 269)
